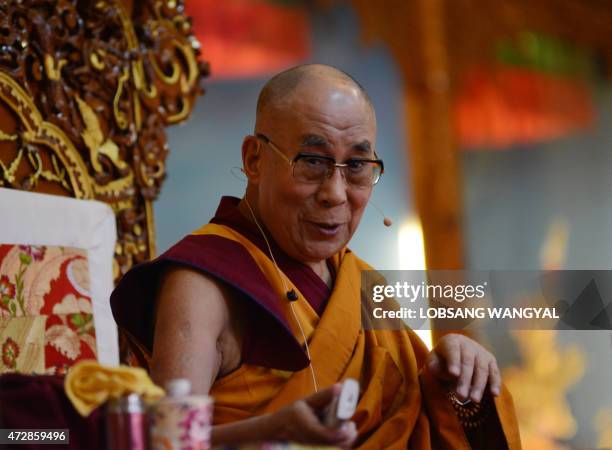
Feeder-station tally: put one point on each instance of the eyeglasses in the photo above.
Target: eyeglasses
(314, 168)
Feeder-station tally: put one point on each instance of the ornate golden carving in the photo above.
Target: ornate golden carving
(150, 222)
(58, 175)
(9, 172)
(181, 115)
(54, 69)
(97, 59)
(120, 118)
(38, 135)
(168, 79)
(86, 89)
(7, 137)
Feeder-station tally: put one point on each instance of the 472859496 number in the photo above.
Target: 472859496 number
(12, 436)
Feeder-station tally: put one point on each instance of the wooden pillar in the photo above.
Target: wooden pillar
(416, 34)
(433, 157)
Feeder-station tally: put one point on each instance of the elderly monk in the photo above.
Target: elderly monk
(262, 309)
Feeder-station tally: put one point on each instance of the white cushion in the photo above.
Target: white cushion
(41, 219)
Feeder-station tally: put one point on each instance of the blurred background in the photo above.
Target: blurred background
(494, 125)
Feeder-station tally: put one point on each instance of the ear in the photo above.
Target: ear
(251, 158)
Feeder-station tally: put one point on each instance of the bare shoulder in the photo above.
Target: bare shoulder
(184, 291)
(192, 313)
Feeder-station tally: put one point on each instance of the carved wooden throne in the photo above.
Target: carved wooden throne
(86, 90)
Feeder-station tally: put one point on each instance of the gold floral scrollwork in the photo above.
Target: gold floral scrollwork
(94, 139)
(58, 174)
(53, 68)
(92, 135)
(182, 114)
(192, 67)
(97, 59)
(150, 223)
(120, 117)
(7, 137)
(91, 92)
(110, 150)
(167, 79)
(150, 91)
(39, 134)
(137, 113)
(149, 178)
(115, 188)
(8, 173)
(138, 72)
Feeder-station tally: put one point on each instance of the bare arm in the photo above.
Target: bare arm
(191, 315)
(193, 311)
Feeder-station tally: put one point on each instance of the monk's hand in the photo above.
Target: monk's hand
(300, 422)
(467, 365)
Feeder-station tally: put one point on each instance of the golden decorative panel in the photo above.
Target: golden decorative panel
(86, 90)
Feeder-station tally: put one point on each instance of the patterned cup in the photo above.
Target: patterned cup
(181, 423)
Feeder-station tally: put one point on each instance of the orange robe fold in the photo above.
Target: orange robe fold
(401, 405)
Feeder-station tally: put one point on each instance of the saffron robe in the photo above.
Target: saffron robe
(401, 405)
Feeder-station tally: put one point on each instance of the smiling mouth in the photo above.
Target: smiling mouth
(326, 228)
(327, 225)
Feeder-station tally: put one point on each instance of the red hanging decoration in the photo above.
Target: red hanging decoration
(249, 38)
(501, 106)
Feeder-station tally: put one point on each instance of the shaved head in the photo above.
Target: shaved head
(279, 90)
(320, 111)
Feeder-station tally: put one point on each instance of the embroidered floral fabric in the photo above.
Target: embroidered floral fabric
(46, 318)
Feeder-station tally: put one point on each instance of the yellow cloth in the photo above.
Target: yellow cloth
(89, 384)
(401, 404)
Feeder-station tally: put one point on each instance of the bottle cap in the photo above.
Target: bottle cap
(179, 387)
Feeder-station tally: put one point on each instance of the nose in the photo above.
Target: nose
(332, 191)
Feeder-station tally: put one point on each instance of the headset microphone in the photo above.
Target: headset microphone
(386, 220)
